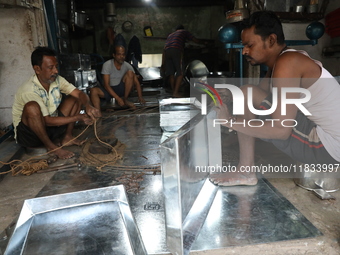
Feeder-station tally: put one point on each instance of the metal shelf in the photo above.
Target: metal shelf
(299, 16)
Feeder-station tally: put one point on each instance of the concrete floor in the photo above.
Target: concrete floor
(323, 214)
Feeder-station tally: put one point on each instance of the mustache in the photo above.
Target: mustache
(248, 57)
(54, 76)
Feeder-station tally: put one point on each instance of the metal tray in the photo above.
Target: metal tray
(97, 221)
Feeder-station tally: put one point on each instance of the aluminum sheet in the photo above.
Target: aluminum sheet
(238, 215)
(188, 194)
(176, 112)
(244, 215)
(97, 221)
(140, 134)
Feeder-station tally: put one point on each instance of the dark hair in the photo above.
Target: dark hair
(113, 48)
(266, 23)
(179, 27)
(39, 53)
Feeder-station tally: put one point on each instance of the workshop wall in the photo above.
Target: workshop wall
(21, 30)
(203, 22)
(297, 31)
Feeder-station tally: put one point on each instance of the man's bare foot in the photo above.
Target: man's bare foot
(63, 154)
(69, 140)
(233, 179)
(129, 104)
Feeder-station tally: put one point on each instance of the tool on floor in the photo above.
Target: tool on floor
(321, 192)
(321, 184)
(52, 158)
(61, 168)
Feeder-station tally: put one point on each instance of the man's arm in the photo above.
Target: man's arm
(195, 40)
(91, 111)
(106, 79)
(50, 121)
(274, 129)
(60, 121)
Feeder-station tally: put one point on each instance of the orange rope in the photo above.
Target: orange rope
(29, 166)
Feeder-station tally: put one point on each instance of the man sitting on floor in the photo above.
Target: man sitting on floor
(41, 115)
(119, 79)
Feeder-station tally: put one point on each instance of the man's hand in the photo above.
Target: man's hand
(85, 118)
(93, 112)
(120, 101)
(223, 112)
(141, 101)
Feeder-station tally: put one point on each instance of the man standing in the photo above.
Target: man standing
(173, 57)
(310, 139)
(119, 79)
(41, 115)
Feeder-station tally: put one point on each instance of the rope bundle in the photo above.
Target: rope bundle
(32, 165)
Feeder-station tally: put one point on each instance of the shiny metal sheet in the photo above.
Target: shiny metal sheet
(141, 136)
(97, 221)
(247, 215)
(150, 73)
(238, 215)
(188, 194)
(175, 112)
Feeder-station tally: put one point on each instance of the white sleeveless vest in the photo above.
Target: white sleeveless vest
(324, 106)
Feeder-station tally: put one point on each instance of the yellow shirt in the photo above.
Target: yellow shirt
(49, 101)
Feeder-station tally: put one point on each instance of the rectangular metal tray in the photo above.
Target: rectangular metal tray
(96, 221)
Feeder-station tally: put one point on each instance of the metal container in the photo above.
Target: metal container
(97, 221)
(237, 15)
(299, 8)
(91, 77)
(85, 62)
(69, 75)
(75, 62)
(80, 18)
(315, 180)
(312, 8)
(110, 12)
(175, 112)
(312, 181)
(63, 31)
(188, 193)
(64, 45)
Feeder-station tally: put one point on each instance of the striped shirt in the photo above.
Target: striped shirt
(49, 101)
(177, 39)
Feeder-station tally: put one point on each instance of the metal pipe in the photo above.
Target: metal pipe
(58, 168)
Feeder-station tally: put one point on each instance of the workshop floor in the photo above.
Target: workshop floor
(323, 214)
